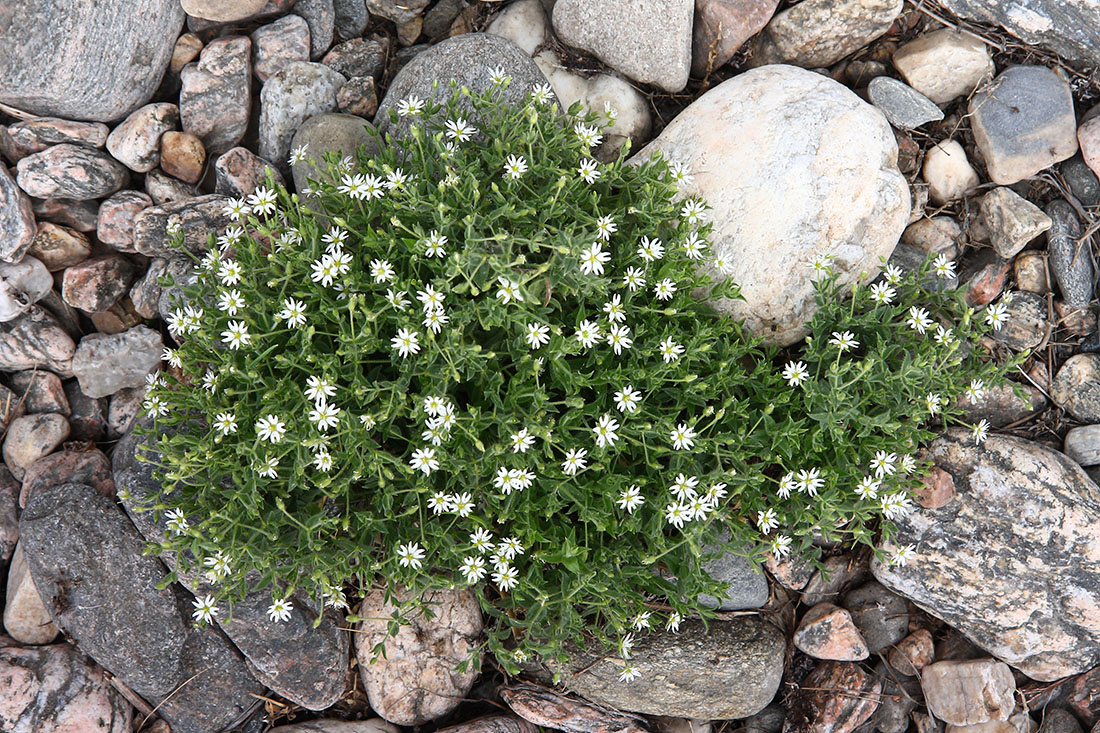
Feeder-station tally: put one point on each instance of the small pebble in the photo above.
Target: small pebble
(1076, 387)
(115, 225)
(69, 171)
(944, 64)
(31, 437)
(277, 44)
(97, 283)
(969, 692)
(1082, 444)
(136, 142)
(25, 616)
(881, 616)
(828, 632)
(904, 107)
(22, 285)
(1008, 221)
(104, 364)
(1027, 325)
(937, 489)
(1030, 269)
(58, 247)
(79, 215)
(913, 653)
(1069, 261)
(1081, 179)
(41, 392)
(934, 236)
(359, 57)
(358, 97)
(182, 156)
(948, 172)
(216, 93)
(164, 189)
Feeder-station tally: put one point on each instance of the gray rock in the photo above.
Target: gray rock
(1069, 27)
(239, 172)
(199, 217)
(1000, 405)
(9, 513)
(721, 27)
(164, 189)
(183, 273)
(80, 215)
(1023, 123)
(25, 617)
(438, 20)
(1008, 221)
(904, 106)
(329, 133)
(35, 339)
(216, 93)
(67, 318)
(768, 720)
(17, 228)
(295, 93)
(145, 292)
(222, 11)
(38, 133)
(1083, 445)
(1081, 180)
(1069, 261)
(352, 17)
(1027, 323)
(730, 670)
(124, 407)
(467, 59)
(106, 363)
(321, 18)
(399, 11)
(277, 44)
(544, 707)
(837, 697)
(374, 725)
(748, 587)
(22, 285)
(70, 172)
(1034, 510)
(97, 283)
(821, 32)
(136, 141)
(358, 57)
(99, 586)
(881, 616)
(1057, 720)
(84, 61)
(899, 699)
(31, 437)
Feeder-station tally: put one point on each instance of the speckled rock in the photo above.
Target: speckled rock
(821, 32)
(165, 189)
(106, 363)
(913, 653)
(182, 156)
(1027, 324)
(115, 226)
(25, 617)
(1001, 406)
(40, 391)
(1069, 262)
(881, 616)
(399, 11)
(97, 283)
(79, 215)
(837, 697)
(70, 172)
(75, 463)
(352, 17)
(292, 95)
(722, 26)
(747, 587)
(222, 11)
(358, 96)
(216, 93)
(145, 292)
(1076, 387)
(904, 106)
(731, 670)
(58, 247)
(9, 512)
(22, 284)
(828, 632)
(31, 437)
(123, 410)
(1082, 444)
(38, 133)
(198, 217)
(239, 172)
(35, 339)
(969, 692)
(754, 145)
(944, 64)
(17, 227)
(374, 725)
(358, 57)
(1081, 179)
(1008, 221)
(136, 142)
(328, 133)
(276, 44)
(407, 686)
(544, 707)
(1034, 509)
(320, 16)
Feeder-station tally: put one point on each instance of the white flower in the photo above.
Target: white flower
(473, 568)
(269, 468)
(676, 514)
(498, 77)
(670, 350)
(996, 315)
(515, 167)
(439, 502)
(462, 504)
(980, 432)
(629, 673)
(933, 401)
(943, 267)
(593, 259)
(634, 278)
(883, 293)
(787, 484)
(682, 437)
(334, 237)
(822, 264)
(521, 441)
(280, 610)
(618, 338)
(353, 186)
(270, 428)
(542, 94)
(605, 431)
(236, 209)
(605, 227)
(868, 488)
(381, 270)
(424, 460)
(509, 547)
(588, 135)
(766, 520)
(943, 335)
(325, 270)
(229, 272)
(293, 312)
(716, 493)
(396, 178)
(156, 406)
(319, 389)
(684, 486)
(410, 555)
(373, 187)
(236, 335)
(588, 171)
(631, 498)
(298, 155)
(430, 298)
(262, 201)
(918, 319)
(896, 505)
(673, 623)
(574, 461)
(174, 225)
(325, 416)
(205, 609)
(226, 423)
(844, 341)
(460, 130)
(176, 521)
(397, 300)
(795, 372)
(482, 539)
(693, 246)
(641, 621)
(433, 245)
(975, 391)
(230, 301)
(883, 464)
(406, 342)
(506, 577)
(892, 274)
(219, 567)
(436, 320)
(902, 554)
(509, 291)
(537, 335)
(908, 465)
(627, 399)
(410, 106)
(651, 249)
(781, 546)
(810, 482)
(172, 357)
(665, 289)
(614, 309)
(588, 333)
(210, 381)
(322, 459)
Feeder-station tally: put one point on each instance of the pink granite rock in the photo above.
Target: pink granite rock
(115, 225)
(136, 142)
(216, 95)
(70, 171)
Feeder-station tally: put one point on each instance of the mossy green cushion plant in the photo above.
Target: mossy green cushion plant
(480, 359)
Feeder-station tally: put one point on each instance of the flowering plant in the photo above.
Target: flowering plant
(479, 359)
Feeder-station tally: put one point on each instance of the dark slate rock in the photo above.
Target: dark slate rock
(469, 60)
(1081, 180)
(69, 171)
(320, 16)
(216, 93)
(17, 228)
(1071, 28)
(899, 698)
(1070, 261)
(87, 562)
(296, 660)
(904, 106)
(85, 61)
(881, 616)
(437, 21)
(35, 339)
(329, 133)
(199, 217)
(351, 17)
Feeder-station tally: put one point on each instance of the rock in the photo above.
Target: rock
(399, 11)
(216, 93)
(988, 278)
(1081, 179)
(187, 49)
(904, 107)
(222, 11)
(136, 142)
(80, 215)
(320, 16)
(948, 172)
(124, 407)
(913, 653)
(969, 692)
(1033, 507)
(1008, 221)
(374, 725)
(71, 172)
(837, 697)
(88, 62)
(468, 59)
(768, 135)
(329, 133)
(22, 285)
(731, 670)
(9, 514)
(523, 22)
(1057, 720)
(38, 133)
(271, 8)
(119, 317)
(97, 283)
(1024, 123)
(898, 699)
(58, 247)
(40, 391)
(30, 437)
(1088, 139)
(934, 236)
(34, 339)
(183, 274)
(650, 42)
(79, 464)
(276, 44)
(721, 27)
(358, 97)
(665, 724)
(944, 64)
(352, 17)
(1069, 27)
(164, 189)
(199, 217)
(821, 32)
(239, 172)
(25, 618)
(1069, 261)
(440, 17)
(66, 318)
(828, 632)
(115, 226)
(937, 489)
(1027, 325)
(145, 292)
(1076, 387)
(17, 226)
(840, 572)
(545, 708)
(88, 562)
(105, 363)
(747, 587)
(1083, 445)
(405, 685)
(768, 720)
(56, 688)
(792, 574)
(1030, 269)
(11, 407)
(633, 120)
(882, 617)
(295, 93)
(1001, 406)
(182, 156)
(359, 57)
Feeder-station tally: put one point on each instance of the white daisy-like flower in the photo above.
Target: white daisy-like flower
(684, 487)
(174, 225)
(896, 505)
(482, 540)
(497, 76)
(433, 245)
(883, 464)
(322, 460)
(716, 493)
(230, 301)
(226, 423)
(673, 623)
(325, 270)
(374, 187)
(430, 298)
(593, 259)
(614, 309)
(462, 504)
(324, 416)
(641, 621)
(410, 555)
(634, 278)
(907, 465)
(810, 481)
(844, 341)
(868, 487)
(381, 270)
(236, 209)
(665, 289)
(270, 428)
(353, 186)
(510, 547)
(269, 467)
(892, 274)
(229, 272)
(542, 94)
(537, 335)
(293, 312)
(521, 441)
(943, 336)
(508, 291)
(263, 201)
(574, 461)
(676, 514)
(631, 498)
(156, 406)
(319, 389)
(918, 319)
(236, 335)
(943, 267)
(605, 431)
(682, 437)
(975, 391)
(605, 227)
(901, 555)
(176, 521)
(396, 179)
(766, 520)
(787, 484)
(506, 577)
(588, 333)
(883, 293)
(515, 167)
(210, 381)
(436, 320)
(588, 171)
(996, 315)
(781, 546)
(694, 211)
(439, 502)
(795, 372)
(670, 350)
(460, 130)
(205, 610)
(298, 155)
(172, 356)
(588, 135)
(397, 299)
(980, 432)
(406, 342)
(410, 106)
(618, 338)
(472, 569)
(627, 399)
(933, 402)
(219, 566)
(694, 246)
(424, 460)
(651, 249)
